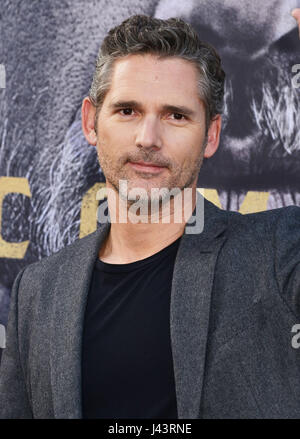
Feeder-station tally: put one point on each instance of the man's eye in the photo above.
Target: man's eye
(179, 116)
(127, 111)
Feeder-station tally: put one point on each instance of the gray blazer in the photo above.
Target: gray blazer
(235, 298)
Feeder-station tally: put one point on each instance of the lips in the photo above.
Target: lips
(147, 164)
(146, 167)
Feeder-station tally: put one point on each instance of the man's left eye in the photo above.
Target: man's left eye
(179, 116)
(126, 110)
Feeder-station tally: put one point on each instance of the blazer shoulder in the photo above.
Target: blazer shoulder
(58, 257)
(262, 231)
(44, 270)
(267, 219)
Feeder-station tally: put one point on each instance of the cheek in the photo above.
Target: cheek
(185, 147)
(116, 137)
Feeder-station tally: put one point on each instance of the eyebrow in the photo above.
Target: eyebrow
(166, 107)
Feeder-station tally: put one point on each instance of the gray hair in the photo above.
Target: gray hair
(141, 34)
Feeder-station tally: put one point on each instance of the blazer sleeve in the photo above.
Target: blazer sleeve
(287, 257)
(14, 401)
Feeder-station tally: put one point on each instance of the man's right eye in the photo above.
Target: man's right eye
(127, 111)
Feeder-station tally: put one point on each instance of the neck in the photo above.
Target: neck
(129, 242)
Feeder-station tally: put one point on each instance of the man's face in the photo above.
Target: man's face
(134, 124)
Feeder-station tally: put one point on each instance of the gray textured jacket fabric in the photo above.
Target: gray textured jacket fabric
(235, 298)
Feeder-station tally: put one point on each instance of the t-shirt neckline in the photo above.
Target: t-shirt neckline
(107, 267)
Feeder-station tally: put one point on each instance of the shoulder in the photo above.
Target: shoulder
(55, 259)
(271, 239)
(273, 221)
(270, 233)
(41, 275)
(260, 224)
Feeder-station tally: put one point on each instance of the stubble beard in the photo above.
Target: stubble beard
(180, 179)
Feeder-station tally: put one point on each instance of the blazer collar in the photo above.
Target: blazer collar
(189, 313)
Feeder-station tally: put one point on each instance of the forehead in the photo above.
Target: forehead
(152, 78)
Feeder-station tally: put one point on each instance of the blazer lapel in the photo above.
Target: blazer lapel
(190, 307)
(71, 290)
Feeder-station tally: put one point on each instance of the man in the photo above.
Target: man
(148, 319)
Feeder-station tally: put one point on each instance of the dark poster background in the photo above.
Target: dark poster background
(48, 172)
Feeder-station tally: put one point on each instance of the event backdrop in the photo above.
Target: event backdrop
(49, 175)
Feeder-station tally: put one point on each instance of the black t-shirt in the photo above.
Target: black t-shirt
(127, 365)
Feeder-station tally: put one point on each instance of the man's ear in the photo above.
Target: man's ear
(213, 136)
(88, 112)
(296, 15)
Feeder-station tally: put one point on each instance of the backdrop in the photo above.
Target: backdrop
(49, 175)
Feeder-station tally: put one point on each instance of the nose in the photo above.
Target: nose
(148, 133)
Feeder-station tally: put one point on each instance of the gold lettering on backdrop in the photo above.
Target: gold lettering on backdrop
(8, 185)
(254, 202)
(211, 195)
(89, 206)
